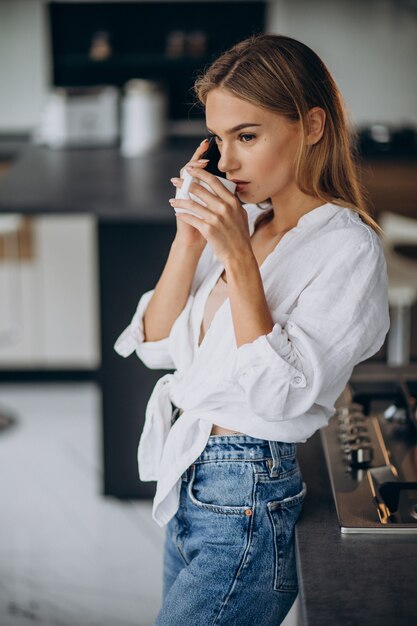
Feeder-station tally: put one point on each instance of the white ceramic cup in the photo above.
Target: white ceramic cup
(183, 193)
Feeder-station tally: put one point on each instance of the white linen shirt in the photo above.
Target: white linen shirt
(326, 287)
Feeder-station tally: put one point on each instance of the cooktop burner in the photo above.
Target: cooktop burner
(370, 446)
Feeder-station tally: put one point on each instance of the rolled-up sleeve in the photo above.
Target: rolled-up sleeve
(154, 354)
(341, 318)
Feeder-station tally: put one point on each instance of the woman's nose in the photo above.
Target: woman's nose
(227, 162)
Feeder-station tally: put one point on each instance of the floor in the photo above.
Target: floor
(68, 555)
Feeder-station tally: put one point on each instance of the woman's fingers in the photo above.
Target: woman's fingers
(200, 163)
(200, 150)
(196, 158)
(177, 182)
(212, 181)
(205, 195)
(203, 212)
(196, 222)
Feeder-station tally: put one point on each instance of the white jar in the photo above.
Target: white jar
(143, 123)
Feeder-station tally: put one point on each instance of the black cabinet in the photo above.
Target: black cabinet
(109, 43)
(132, 257)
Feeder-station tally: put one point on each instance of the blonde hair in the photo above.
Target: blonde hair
(284, 75)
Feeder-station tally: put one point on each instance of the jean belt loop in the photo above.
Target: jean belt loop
(276, 459)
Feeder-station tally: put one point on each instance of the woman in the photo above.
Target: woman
(287, 278)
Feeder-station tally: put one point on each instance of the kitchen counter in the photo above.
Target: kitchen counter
(97, 181)
(102, 182)
(12, 145)
(348, 580)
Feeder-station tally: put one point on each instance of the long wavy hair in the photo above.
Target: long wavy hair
(284, 75)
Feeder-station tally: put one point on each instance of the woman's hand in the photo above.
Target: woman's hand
(187, 235)
(224, 223)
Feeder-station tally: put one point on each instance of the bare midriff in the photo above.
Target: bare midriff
(218, 430)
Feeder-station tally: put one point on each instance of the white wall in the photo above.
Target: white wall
(24, 63)
(370, 46)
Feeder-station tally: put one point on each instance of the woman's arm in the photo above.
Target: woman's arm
(224, 224)
(172, 290)
(340, 319)
(248, 304)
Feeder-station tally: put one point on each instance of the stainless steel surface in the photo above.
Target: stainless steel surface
(372, 460)
(398, 348)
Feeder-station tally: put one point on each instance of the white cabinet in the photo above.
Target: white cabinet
(57, 297)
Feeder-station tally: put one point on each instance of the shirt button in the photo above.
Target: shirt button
(297, 380)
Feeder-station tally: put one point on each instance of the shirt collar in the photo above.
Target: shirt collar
(316, 216)
(320, 214)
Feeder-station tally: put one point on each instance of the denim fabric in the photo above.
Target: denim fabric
(229, 550)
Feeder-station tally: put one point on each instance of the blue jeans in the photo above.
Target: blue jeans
(229, 550)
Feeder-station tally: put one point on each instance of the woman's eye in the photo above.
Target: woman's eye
(246, 137)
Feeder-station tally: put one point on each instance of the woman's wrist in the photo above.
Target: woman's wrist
(187, 249)
(242, 264)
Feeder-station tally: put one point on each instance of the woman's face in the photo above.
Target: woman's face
(257, 146)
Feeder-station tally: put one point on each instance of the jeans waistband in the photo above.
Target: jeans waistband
(244, 447)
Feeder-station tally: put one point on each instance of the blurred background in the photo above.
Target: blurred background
(96, 114)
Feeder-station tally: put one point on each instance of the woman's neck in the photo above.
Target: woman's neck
(287, 214)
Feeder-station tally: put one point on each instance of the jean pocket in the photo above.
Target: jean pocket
(283, 515)
(222, 487)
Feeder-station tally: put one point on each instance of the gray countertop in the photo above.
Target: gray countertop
(92, 180)
(97, 181)
(12, 145)
(349, 580)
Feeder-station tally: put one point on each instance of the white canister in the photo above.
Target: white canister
(143, 123)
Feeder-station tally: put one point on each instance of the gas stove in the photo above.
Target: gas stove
(370, 446)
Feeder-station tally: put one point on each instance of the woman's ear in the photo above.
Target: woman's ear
(316, 119)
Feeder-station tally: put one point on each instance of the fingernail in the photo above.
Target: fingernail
(204, 140)
(171, 200)
(203, 160)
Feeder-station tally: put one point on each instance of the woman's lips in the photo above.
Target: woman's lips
(240, 184)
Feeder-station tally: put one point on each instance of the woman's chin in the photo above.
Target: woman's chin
(245, 196)
(248, 198)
